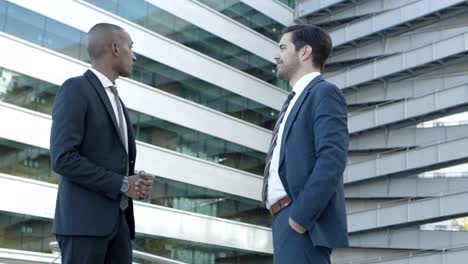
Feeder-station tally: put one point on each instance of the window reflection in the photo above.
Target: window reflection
(34, 94)
(31, 162)
(71, 42)
(27, 92)
(247, 16)
(197, 253)
(175, 28)
(290, 3)
(25, 161)
(187, 197)
(23, 232)
(171, 136)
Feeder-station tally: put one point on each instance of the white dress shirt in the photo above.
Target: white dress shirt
(275, 186)
(107, 83)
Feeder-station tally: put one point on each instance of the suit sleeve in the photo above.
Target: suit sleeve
(68, 126)
(331, 146)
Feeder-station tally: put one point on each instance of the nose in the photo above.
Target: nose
(276, 57)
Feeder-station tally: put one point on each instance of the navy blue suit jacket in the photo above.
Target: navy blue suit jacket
(312, 160)
(88, 154)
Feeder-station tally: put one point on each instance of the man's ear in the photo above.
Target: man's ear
(115, 48)
(306, 52)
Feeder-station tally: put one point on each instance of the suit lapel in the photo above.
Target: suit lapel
(104, 98)
(292, 115)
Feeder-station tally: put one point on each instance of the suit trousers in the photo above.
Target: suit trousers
(292, 247)
(115, 248)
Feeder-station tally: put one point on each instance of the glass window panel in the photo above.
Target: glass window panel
(194, 37)
(3, 14)
(197, 253)
(290, 3)
(27, 92)
(160, 21)
(62, 38)
(34, 94)
(24, 232)
(70, 41)
(134, 11)
(110, 5)
(187, 197)
(248, 16)
(31, 162)
(181, 84)
(25, 161)
(25, 24)
(171, 136)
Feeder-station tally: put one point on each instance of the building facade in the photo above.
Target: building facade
(203, 99)
(403, 68)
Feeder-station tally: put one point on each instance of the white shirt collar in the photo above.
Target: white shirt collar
(102, 78)
(302, 83)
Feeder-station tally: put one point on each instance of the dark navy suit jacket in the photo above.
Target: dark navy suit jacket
(312, 160)
(88, 154)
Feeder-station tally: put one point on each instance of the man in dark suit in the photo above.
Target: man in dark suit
(93, 150)
(303, 184)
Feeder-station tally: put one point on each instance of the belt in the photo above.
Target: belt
(282, 203)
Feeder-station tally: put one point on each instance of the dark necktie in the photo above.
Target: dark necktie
(124, 199)
(119, 115)
(266, 172)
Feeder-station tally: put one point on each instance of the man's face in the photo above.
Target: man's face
(126, 57)
(287, 59)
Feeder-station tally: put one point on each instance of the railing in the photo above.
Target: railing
(414, 86)
(410, 254)
(399, 64)
(400, 149)
(136, 254)
(441, 227)
(443, 124)
(404, 100)
(388, 147)
(407, 201)
(443, 175)
(372, 18)
(299, 6)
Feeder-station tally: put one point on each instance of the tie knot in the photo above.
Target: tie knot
(290, 97)
(114, 90)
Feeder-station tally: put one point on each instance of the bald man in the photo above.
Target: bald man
(93, 150)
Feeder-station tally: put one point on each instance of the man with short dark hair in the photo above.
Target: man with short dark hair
(303, 178)
(93, 150)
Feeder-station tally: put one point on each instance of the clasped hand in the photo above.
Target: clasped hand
(139, 185)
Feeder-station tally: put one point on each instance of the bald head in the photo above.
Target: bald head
(101, 37)
(110, 49)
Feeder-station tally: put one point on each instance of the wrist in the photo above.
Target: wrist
(125, 185)
(298, 228)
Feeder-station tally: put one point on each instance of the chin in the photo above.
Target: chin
(125, 74)
(282, 76)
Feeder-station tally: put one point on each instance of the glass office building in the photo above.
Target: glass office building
(203, 99)
(402, 65)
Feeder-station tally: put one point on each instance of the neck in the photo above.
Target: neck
(109, 73)
(301, 73)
